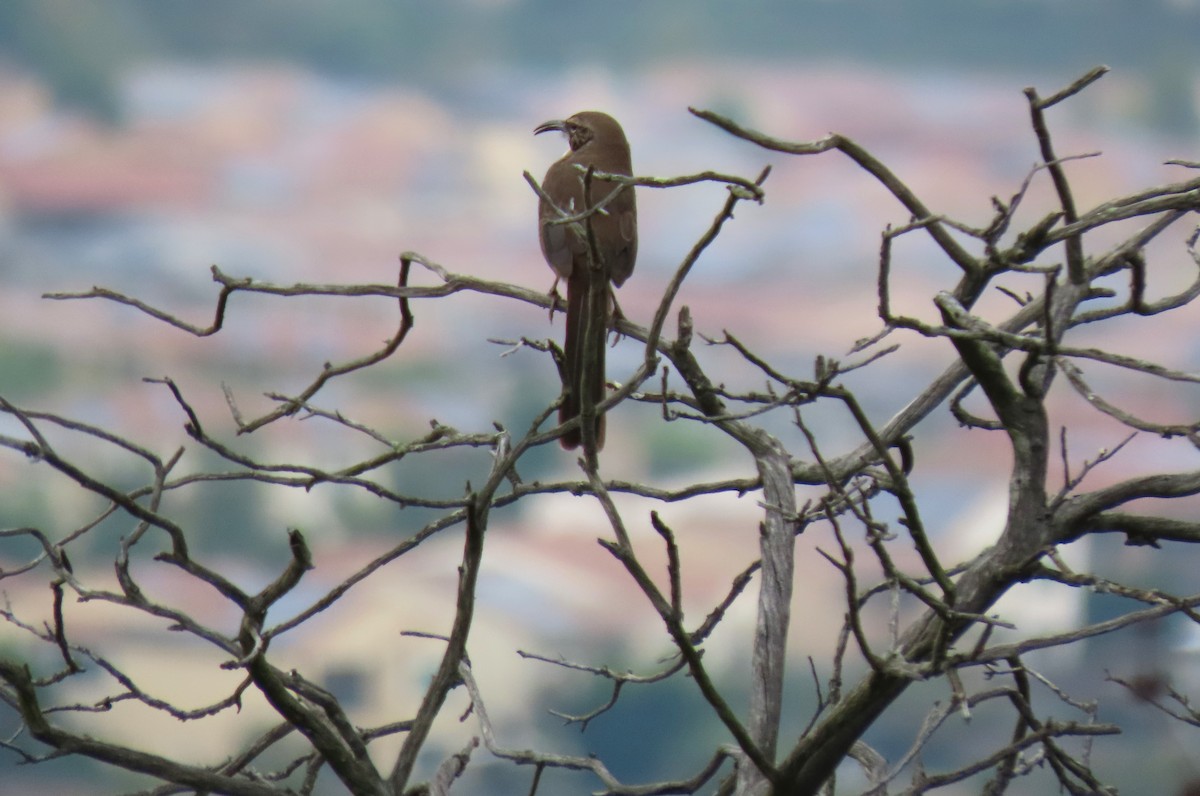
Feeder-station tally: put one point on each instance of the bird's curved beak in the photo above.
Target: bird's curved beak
(557, 124)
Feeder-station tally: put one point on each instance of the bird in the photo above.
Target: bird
(596, 141)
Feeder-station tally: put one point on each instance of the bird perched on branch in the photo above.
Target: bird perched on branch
(605, 239)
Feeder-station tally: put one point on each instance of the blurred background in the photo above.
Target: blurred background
(142, 141)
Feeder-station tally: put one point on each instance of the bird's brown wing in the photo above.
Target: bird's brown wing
(560, 244)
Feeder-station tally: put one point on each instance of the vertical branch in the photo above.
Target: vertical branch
(1037, 105)
(447, 675)
(777, 542)
(595, 331)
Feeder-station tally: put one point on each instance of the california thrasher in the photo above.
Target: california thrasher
(596, 142)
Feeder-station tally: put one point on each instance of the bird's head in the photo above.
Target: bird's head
(585, 127)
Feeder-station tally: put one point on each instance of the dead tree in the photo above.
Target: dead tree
(1066, 271)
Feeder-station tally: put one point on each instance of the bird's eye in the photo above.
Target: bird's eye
(579, 136)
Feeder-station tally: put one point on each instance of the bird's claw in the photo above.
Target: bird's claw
(555, 298)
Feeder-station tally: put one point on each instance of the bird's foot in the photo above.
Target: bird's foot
(617, 317)
(555, 298)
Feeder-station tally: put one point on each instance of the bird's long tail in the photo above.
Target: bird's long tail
(583, 354)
